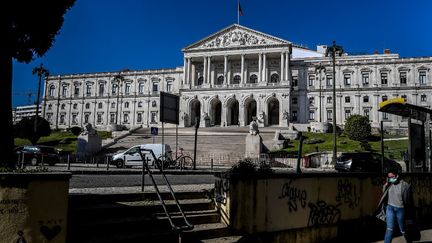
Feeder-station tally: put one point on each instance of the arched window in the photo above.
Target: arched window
(220, 80)
(100, 105)
(126, 104)
(75, 106)
(140, 104)
(63, 106)
(52, 91)
(141, 88)
(114, 89)
(101, 89)
(200, 80)
(236, 79)
(253, 79)
(87, 105)
(274, 78)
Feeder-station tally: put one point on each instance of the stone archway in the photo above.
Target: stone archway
(195, 111)
(250, 110)
(215, 112)
(273, 111)
(232, 112)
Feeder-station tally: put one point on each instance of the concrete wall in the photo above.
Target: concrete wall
(313, 205)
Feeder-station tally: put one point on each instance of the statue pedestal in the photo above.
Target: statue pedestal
(88, 144)
(253, 146)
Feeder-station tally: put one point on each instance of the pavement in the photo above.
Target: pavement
(426, 236)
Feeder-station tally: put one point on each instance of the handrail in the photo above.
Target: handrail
(188, 225)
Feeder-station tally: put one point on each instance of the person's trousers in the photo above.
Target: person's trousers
(394, 214)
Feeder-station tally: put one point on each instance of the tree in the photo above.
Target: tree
(357, 128)
(25, 129)
(28, 29)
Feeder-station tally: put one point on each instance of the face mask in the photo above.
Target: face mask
(392, 180)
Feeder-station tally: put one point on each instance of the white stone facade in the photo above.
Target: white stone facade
(236, 74)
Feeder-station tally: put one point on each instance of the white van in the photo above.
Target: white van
(131, 157)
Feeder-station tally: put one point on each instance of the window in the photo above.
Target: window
(365, 79)
(155, 86)
(169, 86)
(88, 89)
(126, 118)
(49, 117)
(87, 105)
(329, 100)
(311, 100)
(404, 97)
(366, 113)
(127, 88)
(347, 79)
(63, 106)
(75, 106)
(384, 98)
(312, 115)
(423, 98)
(62, 119)
(76, 90)
(236, 79)
(274, 78)
(220, 80)
(101, 89)
(311, 80)
(403, 77)
(294, 81)
(140, 104)
(64, 91)
(422, 77)
(86, 118)
(51, 91)
(112, 117)
(200, 80)
(100, 105)
(49, 106)
(99, 118)
(366, 99)
(253, 79)
(329, 80)
(384, 78)
(294, 116)
(385, 116)
(294, 101)
(153, 117)
(154, 104)
(114, 89)
(74, 119)
(126, 105)
(140, 88)
(329, 115)
(139, 117)
(113, 105)
(347, 99)
(347, 113)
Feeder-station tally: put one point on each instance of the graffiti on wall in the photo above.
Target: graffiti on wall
(295, 196)
(221, 190)
(347, 193)
(323, 213)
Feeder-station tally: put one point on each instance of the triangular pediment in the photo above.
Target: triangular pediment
(236, 36)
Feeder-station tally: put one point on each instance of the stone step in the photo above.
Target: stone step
(206, 231)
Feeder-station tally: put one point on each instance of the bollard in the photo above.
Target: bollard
(211, 163)
(143, 173)
(68, 162)
(107, 162)
(42, 161)
(22, 160)
(124, 161)
(97, 163)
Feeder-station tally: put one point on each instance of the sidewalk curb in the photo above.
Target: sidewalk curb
(89, 172)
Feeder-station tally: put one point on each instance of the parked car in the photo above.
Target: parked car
(364, 162)
(131, 156)
(36, 154)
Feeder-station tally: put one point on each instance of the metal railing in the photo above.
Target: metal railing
(187, 226)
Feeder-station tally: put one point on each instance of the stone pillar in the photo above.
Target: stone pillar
(225, 69)
(184, 70)
(259, 67)
(287, 63)
(223, 115)
(241, 117)
(358, 104)
(193, 74)
(282, 67)
(375, 107)
(205, 71)
(229, 73)
(208, 70)
(264, 78)
(242, 69)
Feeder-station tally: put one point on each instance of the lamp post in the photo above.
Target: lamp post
(40, 71)
(319, 69)
(119, 79)
(332, 52)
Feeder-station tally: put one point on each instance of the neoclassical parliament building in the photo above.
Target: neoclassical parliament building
(239, 73)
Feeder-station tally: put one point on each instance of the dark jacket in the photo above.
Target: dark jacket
(407, 199)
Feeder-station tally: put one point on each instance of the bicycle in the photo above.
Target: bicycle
(182, 161)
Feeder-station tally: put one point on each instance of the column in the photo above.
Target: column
(264, 78)
(287, 63)
(229, 73)
(205, 71)
(282, 66)
(188, 71)
(358, 104)
(375, 107)
(259, 67)
(242, 69)
(184, 70)
(193, 74)
(225, 69)
(208, 70)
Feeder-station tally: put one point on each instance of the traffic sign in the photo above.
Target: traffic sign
(154, 131)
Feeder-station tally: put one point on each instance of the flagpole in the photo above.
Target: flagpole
(238, 12)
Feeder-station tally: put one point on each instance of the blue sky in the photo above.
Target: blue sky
(110, 35)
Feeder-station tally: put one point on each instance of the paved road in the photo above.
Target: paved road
(93, 181)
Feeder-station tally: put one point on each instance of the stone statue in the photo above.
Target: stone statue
(285, 115)
(185, 116)
(89, 130)
(253, 127)
(261, 117)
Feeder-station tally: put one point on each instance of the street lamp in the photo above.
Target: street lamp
(119, 79)
(40, 71)
(332, 52)
(319, 69)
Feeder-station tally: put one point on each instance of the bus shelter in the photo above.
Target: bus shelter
(419, 134)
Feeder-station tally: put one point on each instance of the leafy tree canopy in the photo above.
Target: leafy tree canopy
(25, 129)
(357, 127)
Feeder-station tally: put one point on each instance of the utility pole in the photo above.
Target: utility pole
(332, 52)
(119, 79)
(40, 71)
(319, 69)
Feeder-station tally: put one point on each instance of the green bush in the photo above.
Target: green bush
(357, 128)
(25, 129)
(314, 141)
(245, 166)
(265, 168)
